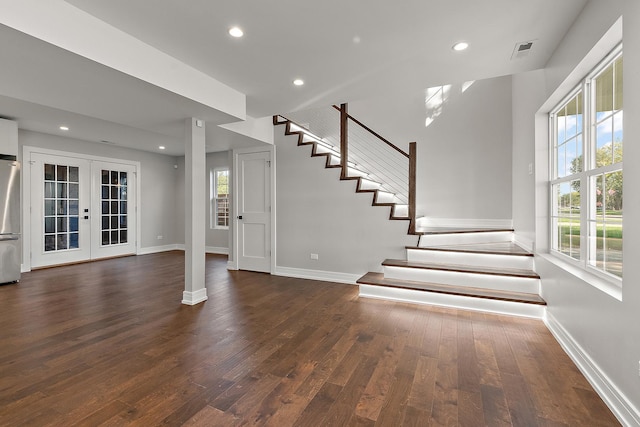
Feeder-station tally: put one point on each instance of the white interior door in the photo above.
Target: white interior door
(81, 209)
(60, 194)
(254, 211)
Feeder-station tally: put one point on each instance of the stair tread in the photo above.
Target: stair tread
(502, 248)
(459, 230)
(512, 272)
(378, 279)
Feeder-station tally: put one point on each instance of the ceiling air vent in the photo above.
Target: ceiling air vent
(522, 49)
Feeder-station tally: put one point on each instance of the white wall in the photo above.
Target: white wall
(318, 213)
(217, 240)
(525, 102)
(464, 156)
(157, 182)
(600, 331)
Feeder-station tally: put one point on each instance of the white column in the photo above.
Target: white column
(195, 212)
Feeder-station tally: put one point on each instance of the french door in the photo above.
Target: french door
(80, 209)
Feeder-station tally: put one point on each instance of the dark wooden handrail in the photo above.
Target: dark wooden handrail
(374, 133)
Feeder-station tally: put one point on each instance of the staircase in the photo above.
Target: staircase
(476, 269)
(366, 183)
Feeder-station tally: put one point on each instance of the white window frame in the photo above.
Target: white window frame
(589, 170)
(214, 199)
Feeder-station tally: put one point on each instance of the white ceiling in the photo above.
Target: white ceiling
(344, 50)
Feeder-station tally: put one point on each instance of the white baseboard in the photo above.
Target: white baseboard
(232, 265)
(193, 298)
(157, 249)
(217, 250)
(180, 247)
(524, 242)
(464, 223)
(619, 404)
(326, 276)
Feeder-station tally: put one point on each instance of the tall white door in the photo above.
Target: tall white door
(60, 201)
(80, 209)
(254, 211)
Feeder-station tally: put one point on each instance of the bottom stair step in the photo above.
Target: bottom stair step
(378, 279)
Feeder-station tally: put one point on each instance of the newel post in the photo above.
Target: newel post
(344, 139)
(412, 187)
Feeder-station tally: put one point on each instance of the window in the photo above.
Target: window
(220, 198)
(586, 177)
(114, 207)
(61, 207)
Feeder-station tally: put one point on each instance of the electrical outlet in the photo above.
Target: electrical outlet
(639, 368)
(530, 168)
(160, 237)
(314, 256)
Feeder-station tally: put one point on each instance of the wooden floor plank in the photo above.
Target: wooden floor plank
(496, 411)
(519, 401)
(395, 406)
(445, 405)
(210, 417)
(109, 343)
(104, 414)
(318, 407)
(468, 373)
(377, 389)
(471, 411)
(424, 380)
(346, 401)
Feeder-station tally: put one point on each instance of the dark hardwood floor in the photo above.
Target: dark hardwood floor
(108, 343)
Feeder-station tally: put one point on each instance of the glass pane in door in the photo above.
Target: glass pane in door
(114, 207)
(61, 213)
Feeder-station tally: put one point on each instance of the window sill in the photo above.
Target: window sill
(606, 286)
(220, 228)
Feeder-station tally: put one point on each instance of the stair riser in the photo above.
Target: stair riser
(453, 301)
(455, 278)
(401, 211)
(334, 160)
(368, 185)
(465, 238)
(471, 259)
(383, 197)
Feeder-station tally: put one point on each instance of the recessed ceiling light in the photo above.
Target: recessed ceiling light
(236, 32)
(64, 128)
(460, 46)
(298, 82)
(162, 147)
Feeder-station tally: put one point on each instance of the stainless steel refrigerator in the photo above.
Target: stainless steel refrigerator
(10, 245)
